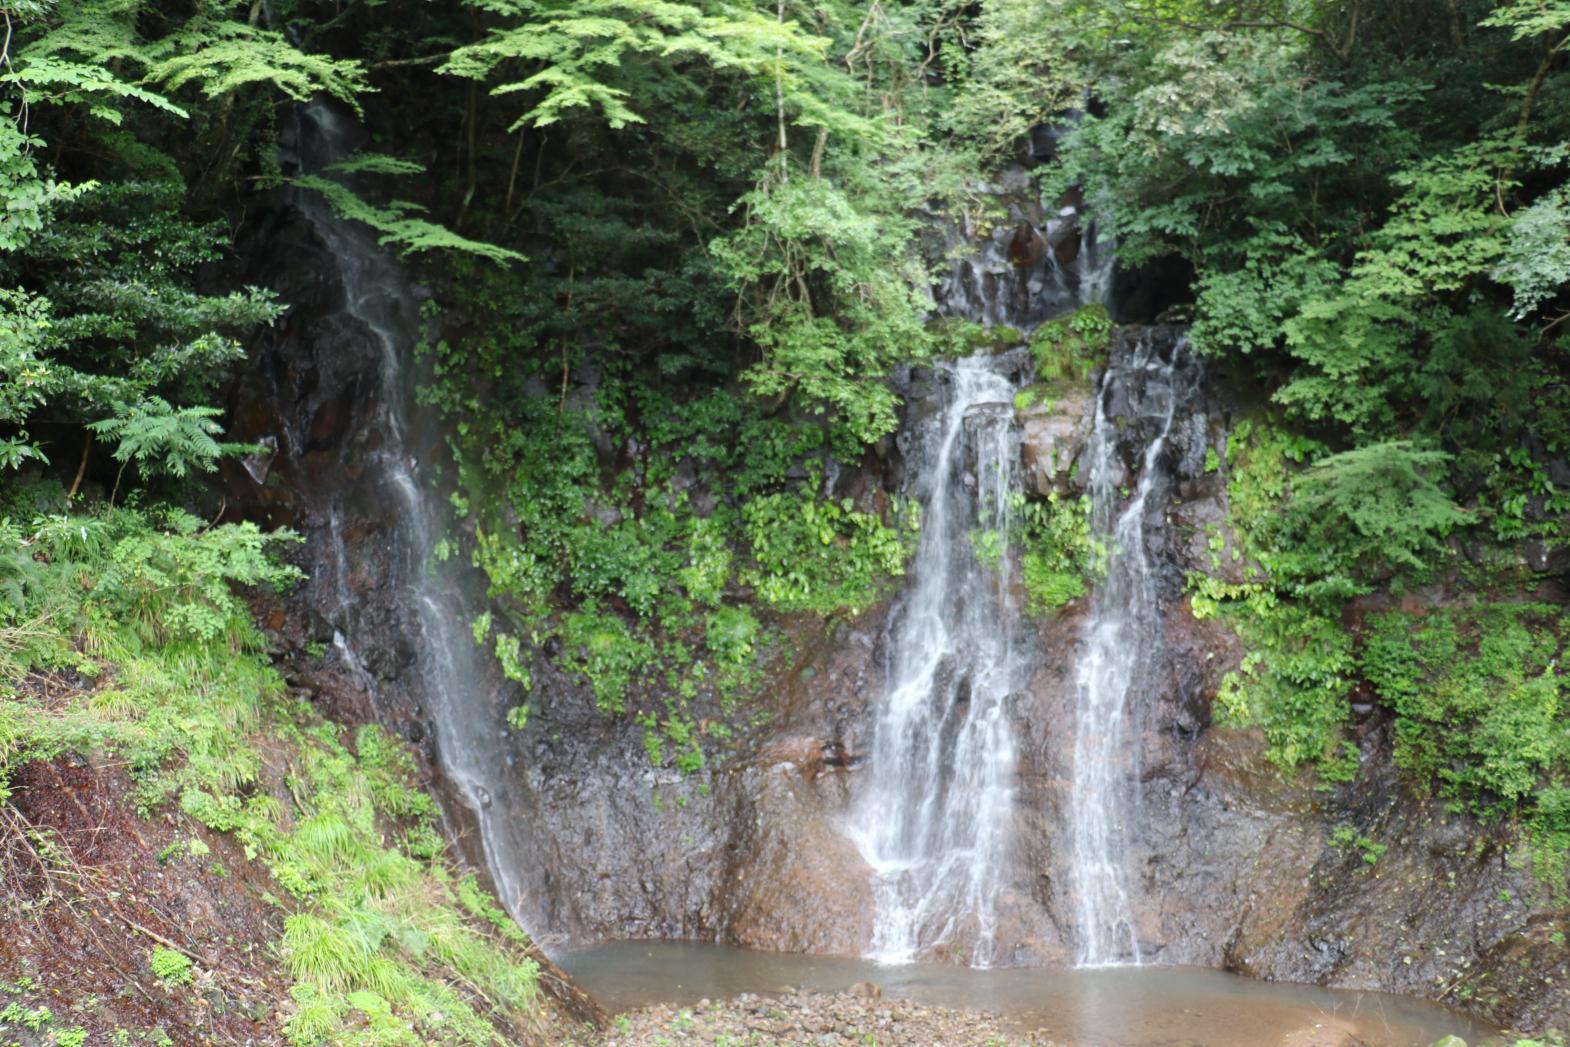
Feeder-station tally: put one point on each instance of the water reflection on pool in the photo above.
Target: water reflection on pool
(1113, 1007)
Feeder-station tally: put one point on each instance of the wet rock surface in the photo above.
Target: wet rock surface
(747, 851)
(814, 1020)
(1233, 862)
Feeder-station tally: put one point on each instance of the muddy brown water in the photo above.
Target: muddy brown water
(1110, 1007)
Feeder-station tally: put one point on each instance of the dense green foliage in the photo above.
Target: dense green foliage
(674, 250)
(1371, 200)
(180, 693)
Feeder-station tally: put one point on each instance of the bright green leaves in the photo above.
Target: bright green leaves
(81, 52)
(1071, 346)
(101, 322)
(1481, 712)
(123, 335)
(27, 193)
(1241, 308)
(398, 225)
(162, 439)
(51, 80)
(1286, 608)
(1529, 18)
(1357, 341)
(829, 288)
(1293, 683)
(1061, 557)
(1362, 510)
(812, 555)
(25, 373)
(597, 55)
(607, 653)
(223, 57)
(1534, 261)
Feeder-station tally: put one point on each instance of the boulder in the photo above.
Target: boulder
(1052, 436)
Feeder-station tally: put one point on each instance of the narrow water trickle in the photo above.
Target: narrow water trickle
(399, 495)
(1137, 399)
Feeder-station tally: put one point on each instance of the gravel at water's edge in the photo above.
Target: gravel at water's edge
(812, 1020)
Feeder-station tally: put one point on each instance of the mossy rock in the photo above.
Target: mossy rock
(1072, 346)
(958, 337)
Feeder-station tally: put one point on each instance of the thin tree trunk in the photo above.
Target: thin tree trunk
(81, 469)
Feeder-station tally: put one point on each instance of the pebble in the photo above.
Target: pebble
(804, 1019)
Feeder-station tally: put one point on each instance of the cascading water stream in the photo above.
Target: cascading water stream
(932, 821)
(456, 689)
(1122, 632)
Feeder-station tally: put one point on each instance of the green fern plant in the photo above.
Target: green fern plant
(165, 440)
(171, 967)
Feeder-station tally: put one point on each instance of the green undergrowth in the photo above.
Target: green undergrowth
(1062, 558)
(1050, 535)
(384, 942)
(649, 534)
(1481, 714)
(1473, 681)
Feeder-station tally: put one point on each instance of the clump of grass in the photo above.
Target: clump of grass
(385, 945)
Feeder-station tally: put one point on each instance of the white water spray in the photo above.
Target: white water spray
(457, 691)
(1122, 631)
(932, 820)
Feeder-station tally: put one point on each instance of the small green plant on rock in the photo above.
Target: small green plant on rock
(171, 967)
(1344, 837)
(1072, 346)
(1061, 558)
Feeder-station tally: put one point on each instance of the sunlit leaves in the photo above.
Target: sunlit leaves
(1535, 259)
(1529, 18)
(596, 55)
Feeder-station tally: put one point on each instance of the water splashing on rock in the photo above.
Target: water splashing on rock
(1139, 397)
(932, 820)
(381, 514)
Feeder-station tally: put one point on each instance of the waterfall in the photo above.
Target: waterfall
(396, 491)
(932, 821)
(1136, 395)
(1012, 276)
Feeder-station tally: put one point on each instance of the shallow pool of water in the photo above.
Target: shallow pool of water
(1113, 1007)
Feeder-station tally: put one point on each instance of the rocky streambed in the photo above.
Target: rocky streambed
(859, 1017)
(673, 989)
(815, 1019)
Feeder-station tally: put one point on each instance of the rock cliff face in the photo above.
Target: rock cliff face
(1232, 864)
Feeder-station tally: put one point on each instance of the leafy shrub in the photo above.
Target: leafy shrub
(811, 555)
(1071, 346)
(605, 651)
(1061, 557)
(1479, 700)
(732, 634)
(1294, 680)
(1365, 513)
